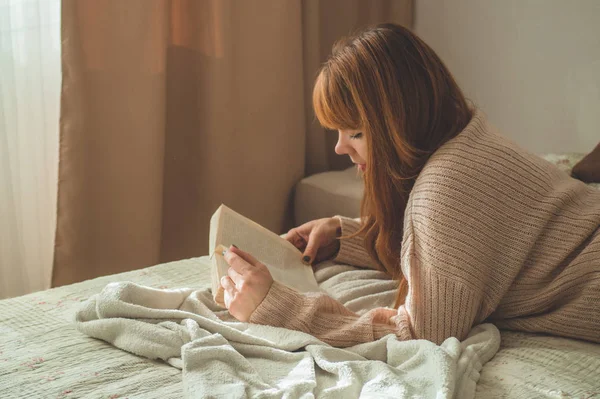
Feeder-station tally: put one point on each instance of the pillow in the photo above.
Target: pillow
(588, 169)
(566, 162)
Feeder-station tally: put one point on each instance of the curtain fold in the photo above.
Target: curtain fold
(170, 108)
(29, 109)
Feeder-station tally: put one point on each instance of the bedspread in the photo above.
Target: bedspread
(43, 356)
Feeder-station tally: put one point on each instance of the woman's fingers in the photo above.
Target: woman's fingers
(234, 252)
(296, 239)
(235, 276)
(227, 283)
(230, 290)
(238, 263)
(312, 247)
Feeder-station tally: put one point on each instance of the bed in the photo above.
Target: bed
(42, 354)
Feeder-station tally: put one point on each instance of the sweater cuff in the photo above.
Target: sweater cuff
(403, 324)
(352, 250)
(278, 306)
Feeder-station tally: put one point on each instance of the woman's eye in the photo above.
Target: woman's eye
(356, 136)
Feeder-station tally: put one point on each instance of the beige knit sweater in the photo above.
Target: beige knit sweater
(491, 233)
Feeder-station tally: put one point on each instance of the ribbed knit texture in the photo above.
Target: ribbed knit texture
(352, 250)
(491, 233)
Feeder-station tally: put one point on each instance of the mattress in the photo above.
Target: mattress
(42, 355)
(327, 194)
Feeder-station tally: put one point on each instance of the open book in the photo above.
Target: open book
(283, 259)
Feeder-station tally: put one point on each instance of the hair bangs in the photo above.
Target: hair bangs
(332, 103)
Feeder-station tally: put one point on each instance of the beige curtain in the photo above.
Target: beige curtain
(172, 107)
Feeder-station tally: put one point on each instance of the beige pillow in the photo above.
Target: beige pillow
(588, 169)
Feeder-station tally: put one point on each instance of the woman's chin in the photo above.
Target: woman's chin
(360, 170)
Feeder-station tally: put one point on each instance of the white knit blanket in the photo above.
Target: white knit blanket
(226, 358)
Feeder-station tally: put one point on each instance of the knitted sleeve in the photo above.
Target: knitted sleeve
(352, 250)
(439, 303)
(325, 318)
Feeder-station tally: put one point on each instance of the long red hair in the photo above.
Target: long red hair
(389, 84)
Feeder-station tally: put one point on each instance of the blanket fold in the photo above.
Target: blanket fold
(220, 356)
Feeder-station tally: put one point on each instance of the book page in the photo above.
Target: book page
(279, 255)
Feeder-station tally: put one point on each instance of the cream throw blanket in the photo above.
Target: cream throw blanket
(221, 357)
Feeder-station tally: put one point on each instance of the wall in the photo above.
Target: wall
(533, 66)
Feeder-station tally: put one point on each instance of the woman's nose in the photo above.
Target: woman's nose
(340, 146)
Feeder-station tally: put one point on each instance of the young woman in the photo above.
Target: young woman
(474, 228)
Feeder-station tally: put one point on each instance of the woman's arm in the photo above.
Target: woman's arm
(446, 308)
(325, 318)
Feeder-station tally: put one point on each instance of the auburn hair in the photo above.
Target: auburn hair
(390, 85)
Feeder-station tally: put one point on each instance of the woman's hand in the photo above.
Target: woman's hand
(318, 239)
(246, 285)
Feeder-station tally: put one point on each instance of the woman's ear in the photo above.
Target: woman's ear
(588, 169)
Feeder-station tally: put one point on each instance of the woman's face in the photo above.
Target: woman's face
(353, 143)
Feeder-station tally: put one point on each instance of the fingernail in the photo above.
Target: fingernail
(306, 259)
(233, 245)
